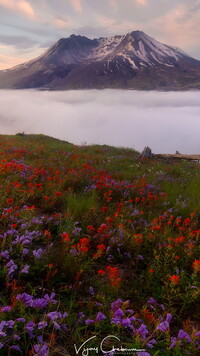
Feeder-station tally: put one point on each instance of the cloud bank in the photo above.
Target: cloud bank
(164, 121)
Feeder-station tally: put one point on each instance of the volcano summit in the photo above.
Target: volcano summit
(131, 61)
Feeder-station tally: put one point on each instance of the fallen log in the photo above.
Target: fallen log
(178, 156)
(147, 153)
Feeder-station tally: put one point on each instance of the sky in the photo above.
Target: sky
(135, 119)
(29, 27)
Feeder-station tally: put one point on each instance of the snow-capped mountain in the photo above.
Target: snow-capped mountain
(134, 61)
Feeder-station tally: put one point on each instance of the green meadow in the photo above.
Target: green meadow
(98, 247)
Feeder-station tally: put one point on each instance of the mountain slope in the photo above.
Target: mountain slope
(134, 61)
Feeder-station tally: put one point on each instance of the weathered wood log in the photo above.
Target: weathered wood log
(178, 156)
(146, 153)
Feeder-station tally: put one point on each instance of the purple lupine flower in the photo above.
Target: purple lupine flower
(56, 325)
(24, 251)
(151, 343)
(140, 258)
(16, 337)
(173, 342)
(183, 335)
(2, 324)
(4, 235)
(80, 317)
(91, 291)
(1, 345)
(49, 298)
(26, 298)
(127, 255)
(164, 326)
(41, 350)
(38, 253)
(110, 257)
(37, 220)
(10, 324)
(5, 254)
(116, 321)
(11, 267)
(11, 232)
(73, 252)
(21, 319)
(133, 318)
(152, 307)
(100, 316)
(130, 311)
(115, 305)
(142, 331)
(39, 303)
(126, 322)
(64, 327)
(197, 334)
(89, 321)
(151, 301)
(62, 316)
(135, 212)
(169, 317)
(76, 231)
(40, 339)
(5, 309)
(30, 326)
(42, 325)
(25, 269)
(23, 240)
(16, 347)
(53, 315)
(118, 313)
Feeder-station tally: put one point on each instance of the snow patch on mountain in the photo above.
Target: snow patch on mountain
(105, 48)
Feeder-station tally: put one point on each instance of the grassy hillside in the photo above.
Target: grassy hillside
(94, 243)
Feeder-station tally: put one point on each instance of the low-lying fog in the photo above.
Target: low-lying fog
(166, 122)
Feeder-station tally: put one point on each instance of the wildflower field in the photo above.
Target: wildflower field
(99, 251)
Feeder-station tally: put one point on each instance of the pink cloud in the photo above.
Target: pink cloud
(77, 5)
(141, 2)
(114, 27)
(9, 61)
(177, 28)
(26, 8)
(22, 6)
(113, 4)
(60, 23)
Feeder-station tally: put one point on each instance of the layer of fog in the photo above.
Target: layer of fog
(164, 121)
